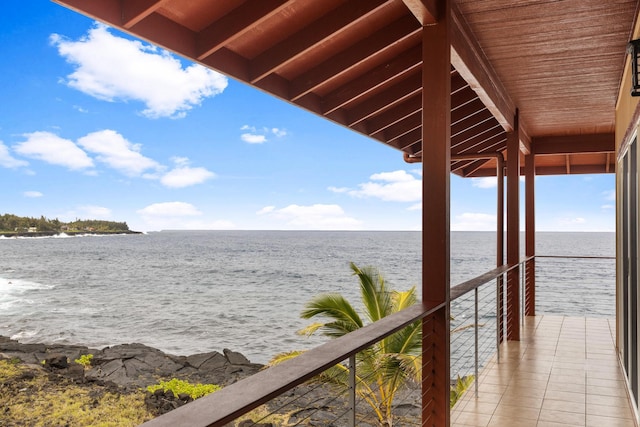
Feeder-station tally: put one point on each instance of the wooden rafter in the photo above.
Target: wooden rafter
(323, 28)
(425, 11)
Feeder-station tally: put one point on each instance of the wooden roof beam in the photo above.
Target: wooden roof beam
(342, 62)
(413, 104)
(489, 127)
(474, 166)
(386, 99)
(389, 118)
(425, 11)
(480, 143)
(236, 23)
(407, 62)
(412, 122)
(570, 144)
(336, 21)
(136, 10)
(470, 61)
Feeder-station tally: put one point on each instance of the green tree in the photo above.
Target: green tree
(385, 367)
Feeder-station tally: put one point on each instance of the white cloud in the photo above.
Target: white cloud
(416, 207)
(52, 149)
(116, 152)
(96, 212)
(279, 132)
(266, 210)
(185, 176)
(32, 194)
(8, 161)
(117, 69)
(260, 136)
(487, 182)
(338, 189)
(470, 221)
(607, 207)
(397, 186)
(169, 209)
(318, 216)
(252, 138)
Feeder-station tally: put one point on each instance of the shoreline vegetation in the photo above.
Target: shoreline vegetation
(16, 226)
(43, 385)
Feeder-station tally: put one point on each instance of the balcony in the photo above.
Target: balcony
(563, 372)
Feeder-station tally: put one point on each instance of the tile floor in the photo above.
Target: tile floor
(563, 372)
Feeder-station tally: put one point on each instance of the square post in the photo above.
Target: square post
(513, 231)
(436, 167)
(530, 236)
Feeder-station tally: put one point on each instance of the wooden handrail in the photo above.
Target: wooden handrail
(224, 406)
(465, 287)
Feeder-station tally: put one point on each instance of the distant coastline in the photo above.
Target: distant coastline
(9, 234)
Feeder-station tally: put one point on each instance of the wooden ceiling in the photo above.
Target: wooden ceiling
(358, 63)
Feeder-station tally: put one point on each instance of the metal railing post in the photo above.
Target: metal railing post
(476, 343)
(352, 390)
(498, 315)
(522, 287)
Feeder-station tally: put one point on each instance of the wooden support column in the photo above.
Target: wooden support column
(436, 167)
(500, 244)
(530, 235)
(513, 231)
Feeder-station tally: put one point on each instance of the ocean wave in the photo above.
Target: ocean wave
(9, 286)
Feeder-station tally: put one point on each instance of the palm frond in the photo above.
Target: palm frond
(311, 329)
(335, 307)
(412, 365)
(375, 297)
(407, 340)
(404, 299)
(284, 356)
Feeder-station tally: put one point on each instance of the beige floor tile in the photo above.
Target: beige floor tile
(575, 379)
(619, 402)
(565, 396)
(498, 421)
(572, 418)
(602, 382)
(610, 411)
(486, 408)
(524, 391)
(552, 424)
(472, 419)
(564, 372)
(564, 406)
(599, 421)
(606, 391)
(567, 387)
(522, 401)
(509, 411)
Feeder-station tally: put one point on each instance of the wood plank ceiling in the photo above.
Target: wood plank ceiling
(358, 63)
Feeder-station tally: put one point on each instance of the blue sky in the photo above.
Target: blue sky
(97, 125)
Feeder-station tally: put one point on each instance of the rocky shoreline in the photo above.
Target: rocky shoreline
(10, 234)
(128, 368)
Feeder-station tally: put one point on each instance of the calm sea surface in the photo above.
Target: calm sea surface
(188, 292)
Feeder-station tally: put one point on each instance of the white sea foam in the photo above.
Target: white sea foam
(23, 335)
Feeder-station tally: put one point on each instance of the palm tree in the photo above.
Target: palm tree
(386, 366)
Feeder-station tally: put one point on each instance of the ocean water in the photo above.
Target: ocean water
(186, 292)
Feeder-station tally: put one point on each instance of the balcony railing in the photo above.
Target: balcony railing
(478, 313)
